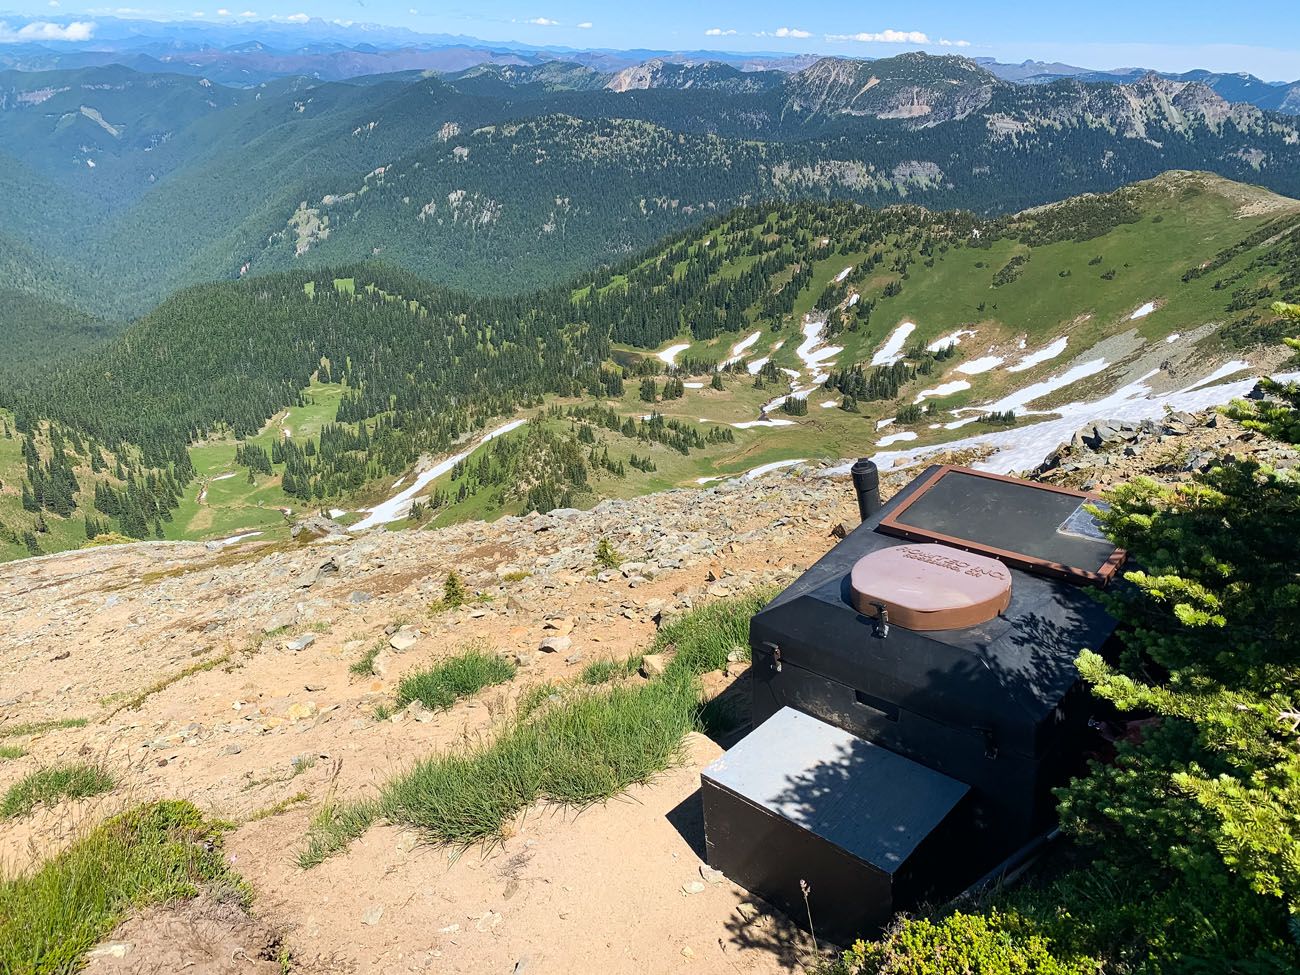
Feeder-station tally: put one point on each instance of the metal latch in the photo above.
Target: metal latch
(990, 743)
(776, 656)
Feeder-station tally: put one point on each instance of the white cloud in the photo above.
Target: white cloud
(298, 18)
(54, 3)
(223, 12)
(884, 37)
(718, 32)
(544, 22)
(585, 25)
(944, 42)
(41, 30)
(784, 32)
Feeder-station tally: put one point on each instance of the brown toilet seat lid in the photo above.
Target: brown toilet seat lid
(931, 587)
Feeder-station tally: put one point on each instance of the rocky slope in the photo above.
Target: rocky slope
(221, 675)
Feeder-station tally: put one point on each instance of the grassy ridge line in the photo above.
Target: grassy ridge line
(584, 748)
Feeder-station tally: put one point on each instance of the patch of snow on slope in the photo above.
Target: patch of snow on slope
(754, 366)
(901, 437)
(854, 299)
(844, 274)
(1225, 370)
(693, 385)
(943, 389)
(758, 472)
(739, 349)
(749, 424)
(1143, 312)
(1025, 447)
(953, 338)
(670, 354)
(1042, 355)
(977, 366)
(829, 403)
(1171, 339)
(399, 505)
(1021, 398)
(892, 350)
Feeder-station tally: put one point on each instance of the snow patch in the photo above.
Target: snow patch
(1021, 398)
(943, 389)
(952, 338)
(225, 477)
(233, 539)
(750, 424)
(892, 350)
(844, 274)
(777, 465)
(739, 349)
(977, 366)
(1225, 370)
(399, 505)
(1171, 339)
(753, 367)
(670, 354)
(900, 437)
(829, 404)
(1042, 355)
(1143, 312)
(693, 385)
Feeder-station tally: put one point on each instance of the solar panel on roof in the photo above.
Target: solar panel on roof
(1036, 527)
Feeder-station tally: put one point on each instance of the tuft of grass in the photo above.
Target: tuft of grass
(152, 854)
(333, 828)
(279, 808)
(364, 666)
(604, 671)
(8, 752)
(703, 637)
(40, 727)
(517, 576)
(535, 698)
(48, 785)
(133, 703)
(585, 748)
(467, 673)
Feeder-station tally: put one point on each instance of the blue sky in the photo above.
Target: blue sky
(1260, 36)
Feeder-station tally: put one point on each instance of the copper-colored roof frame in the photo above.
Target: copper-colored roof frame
(892, 525)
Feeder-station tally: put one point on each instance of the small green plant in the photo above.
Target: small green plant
(467, 673)
(8, 752)
(453, 591)
(518, 575)
(279, 808)
(364, 666)
(333, 828)
(49, 785)
(152, 854)
(604, 671)
(606, 555)
(40, 727)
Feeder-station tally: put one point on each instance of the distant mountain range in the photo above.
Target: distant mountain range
(251, 53)
(117, 187)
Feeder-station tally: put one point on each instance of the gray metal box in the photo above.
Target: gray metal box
(799, 799)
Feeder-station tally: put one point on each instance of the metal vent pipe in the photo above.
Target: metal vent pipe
(866, 482)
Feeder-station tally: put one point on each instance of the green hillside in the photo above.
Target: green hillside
(500, 181)
(322, 390)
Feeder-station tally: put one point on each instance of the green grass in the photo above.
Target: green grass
(153, 854)
(590, 745)
(467, 673)
(8, 752)
(604, 671)
(40, 727)
(132, 703)
(364, 666)
(48, 786)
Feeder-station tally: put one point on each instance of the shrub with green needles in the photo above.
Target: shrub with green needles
(49, 785)
(466, 673)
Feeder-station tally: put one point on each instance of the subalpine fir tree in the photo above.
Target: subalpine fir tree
(1208, 798)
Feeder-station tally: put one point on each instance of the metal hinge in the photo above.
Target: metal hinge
(776, 656)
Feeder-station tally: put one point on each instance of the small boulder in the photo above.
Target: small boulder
(555, 644)
(404, 639)
(300, 642)
(653, 664)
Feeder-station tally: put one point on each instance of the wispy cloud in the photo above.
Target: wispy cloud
(585, 25)
(544, 22)
(784, 32)
(944, 42)
(42, 30)
(884, 37)
(718, 32)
